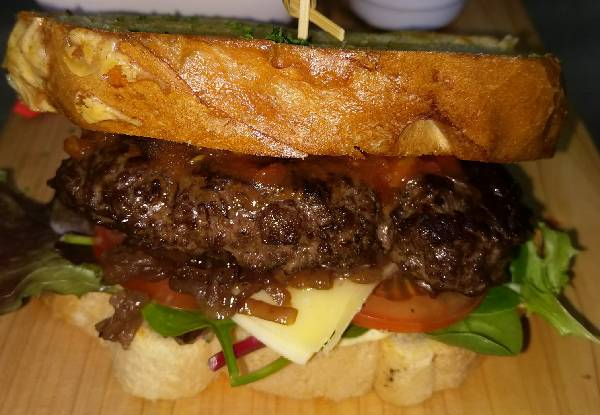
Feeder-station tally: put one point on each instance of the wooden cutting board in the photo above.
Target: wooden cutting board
(48, 367)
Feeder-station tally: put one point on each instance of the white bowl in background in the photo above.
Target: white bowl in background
(407, 14)
(264, 10)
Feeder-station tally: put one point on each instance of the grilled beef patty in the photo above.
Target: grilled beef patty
(270, 216)
(451, 234)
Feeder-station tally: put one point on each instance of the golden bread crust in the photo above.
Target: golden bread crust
(266, 98)
(401, 369)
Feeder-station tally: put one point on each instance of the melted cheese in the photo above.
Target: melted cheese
(323, 315)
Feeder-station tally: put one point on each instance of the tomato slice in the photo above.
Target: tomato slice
(160, 292)
(105, 239)
(399, 305)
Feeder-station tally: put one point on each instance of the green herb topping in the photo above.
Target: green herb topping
(278, 35)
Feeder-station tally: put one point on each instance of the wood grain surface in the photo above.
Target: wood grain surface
(48, 367)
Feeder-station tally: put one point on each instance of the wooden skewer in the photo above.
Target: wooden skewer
(327, 25)
(306, 12)
(303, 19)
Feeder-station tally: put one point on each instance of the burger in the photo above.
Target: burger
(320, 219)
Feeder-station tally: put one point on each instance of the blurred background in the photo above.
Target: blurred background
(569, 29)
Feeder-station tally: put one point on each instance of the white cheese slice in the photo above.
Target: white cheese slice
(323, 315)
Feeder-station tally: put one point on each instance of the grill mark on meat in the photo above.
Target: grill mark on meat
(445, 233)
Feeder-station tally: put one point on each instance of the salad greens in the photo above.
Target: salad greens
(539, 273)
(76, 239)
(46, 271)
(29, 264)
(493, 328)
(171, 322)
(354, 331)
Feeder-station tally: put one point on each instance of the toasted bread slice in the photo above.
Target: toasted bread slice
(257, 96)
(402, 369)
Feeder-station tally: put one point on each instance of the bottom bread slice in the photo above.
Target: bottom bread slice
(403, 369)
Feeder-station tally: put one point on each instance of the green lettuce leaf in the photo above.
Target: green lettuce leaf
(171, 322)
(29, 264)
(353, 331)
(540, 273)
(549, 307)
(46, 271)
(493, 328)
(549, 271)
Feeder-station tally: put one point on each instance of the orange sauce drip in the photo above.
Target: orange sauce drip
(384, 174)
